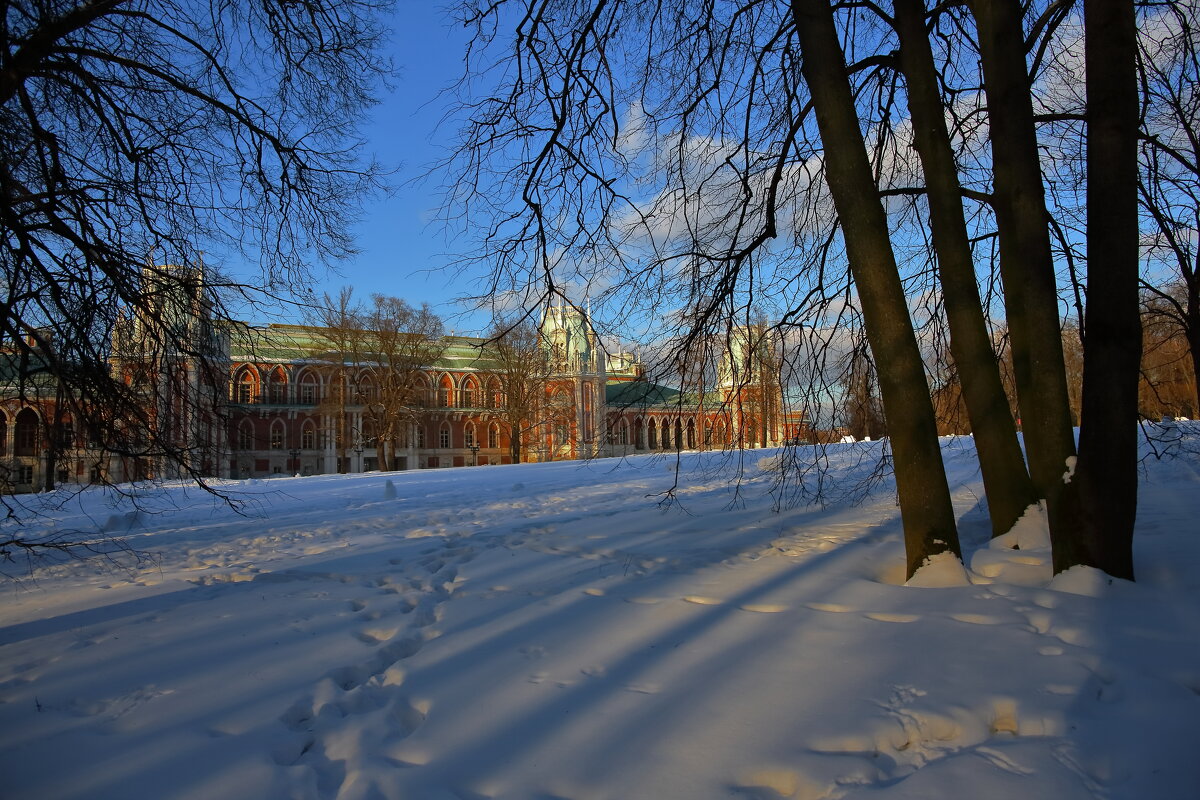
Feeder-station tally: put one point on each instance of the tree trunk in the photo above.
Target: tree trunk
(1192, 332)
(925, 507)
(1005, 478)
(1027, 266)
(514, 443)
(51, 434)
(1106, 477)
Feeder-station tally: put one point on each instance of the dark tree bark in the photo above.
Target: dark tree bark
(1106, 478)
(1027, 265)
(926, 511)
(1005, 478)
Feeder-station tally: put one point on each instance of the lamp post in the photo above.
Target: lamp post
(358, 451)
(474, 455)
(295, 454)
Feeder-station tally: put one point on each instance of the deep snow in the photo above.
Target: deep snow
(551, 631)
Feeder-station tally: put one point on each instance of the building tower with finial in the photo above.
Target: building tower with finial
(749, 381)
(575, 391)
(172, 349)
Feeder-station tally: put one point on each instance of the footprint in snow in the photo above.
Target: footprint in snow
(763, 608)
(977, 619)
(883, 616)
(376, 635)
(835, 608)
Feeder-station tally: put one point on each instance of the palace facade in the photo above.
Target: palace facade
(289, 402)
(293, 410)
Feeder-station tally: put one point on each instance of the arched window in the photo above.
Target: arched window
(469, 434)
(679, 434)
(66, 432)
(622, 432)
(26, 434)
(278, 439)
(309, 389)
(246, 387)
(445, 392)
(493, 436)
(3, 434)
(444, 436)
(422, 393)
(366, 391)
(652, 435)
(638, 430)
(245, 435)
(708, 433)
(495, 394)
(691, 434)
(308, 436)
(279, 387)
(666, 434)
(420, 437)
(470, 393)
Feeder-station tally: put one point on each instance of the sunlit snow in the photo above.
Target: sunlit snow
(554, 631)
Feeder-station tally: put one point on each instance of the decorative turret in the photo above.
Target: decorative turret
(749, 380)
(573, 344)
(742, 359)
(576, 391)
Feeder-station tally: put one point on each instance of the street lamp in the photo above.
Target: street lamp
(474, 448)
(358, 451)
(295, 454)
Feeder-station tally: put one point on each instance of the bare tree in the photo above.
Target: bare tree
(146, 142)
(524, 368)
(1169, 190)
(339, 324)
(400, 342)
(1168, 384)
(1005, 477)
(862, 410)
(681, 167)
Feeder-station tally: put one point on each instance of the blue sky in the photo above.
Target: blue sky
(402, 250)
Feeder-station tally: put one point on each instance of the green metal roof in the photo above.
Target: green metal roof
(292, 344)
(643, 394)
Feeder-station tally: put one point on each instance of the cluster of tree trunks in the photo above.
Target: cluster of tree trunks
(723, 107)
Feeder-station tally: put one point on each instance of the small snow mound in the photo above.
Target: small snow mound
(1086, 581)
(1014, 567)
(1031, 532)
(939, 572)
(889, 565)
(1020, 557)
(389, 490)
(770, 463)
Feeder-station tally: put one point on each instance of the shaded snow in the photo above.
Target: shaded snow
(549, 631)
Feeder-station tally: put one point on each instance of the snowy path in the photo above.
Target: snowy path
(547, 632)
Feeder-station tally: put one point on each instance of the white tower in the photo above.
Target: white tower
(578, 379)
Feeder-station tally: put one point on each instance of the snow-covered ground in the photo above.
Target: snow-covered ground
(551, 632)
